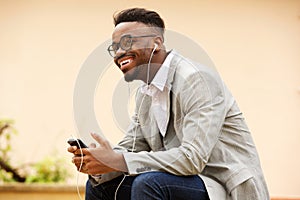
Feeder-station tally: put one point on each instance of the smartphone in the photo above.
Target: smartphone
(77, 142)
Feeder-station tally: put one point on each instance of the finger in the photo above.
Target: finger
(71, 149)
(77, 159)
(99, 139)
(84, 169)
(82, 151)
(78, 165)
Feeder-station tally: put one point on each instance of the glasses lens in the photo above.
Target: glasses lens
(126, 42)
(112, 49)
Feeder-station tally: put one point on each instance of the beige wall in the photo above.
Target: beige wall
(254, 44)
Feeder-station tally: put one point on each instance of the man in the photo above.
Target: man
(188, 138)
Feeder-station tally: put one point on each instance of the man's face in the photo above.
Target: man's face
(133, 61)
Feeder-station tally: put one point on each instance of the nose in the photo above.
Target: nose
(119, 52)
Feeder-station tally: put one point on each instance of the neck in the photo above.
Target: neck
(156, 62)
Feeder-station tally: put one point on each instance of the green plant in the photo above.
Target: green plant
(7, 172)
(51, 169)
(6, 131)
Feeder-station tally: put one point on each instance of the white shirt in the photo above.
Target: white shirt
(159, 93)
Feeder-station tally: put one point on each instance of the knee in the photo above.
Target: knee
(88, 186)
(146, 181)
(93, 192)
(88, 189)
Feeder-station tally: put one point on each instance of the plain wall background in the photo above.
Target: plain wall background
(255, 46)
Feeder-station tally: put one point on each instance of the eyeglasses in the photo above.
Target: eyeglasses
(125, 44)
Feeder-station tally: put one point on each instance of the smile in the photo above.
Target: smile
(125, 64)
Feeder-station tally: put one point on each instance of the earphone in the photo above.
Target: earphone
(138, 114)
(80, 166)
(155, 47)
(134, 140)
(148, 66)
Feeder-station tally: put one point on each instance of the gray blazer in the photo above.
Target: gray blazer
(206, 135)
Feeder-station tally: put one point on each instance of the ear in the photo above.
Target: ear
(158, 44)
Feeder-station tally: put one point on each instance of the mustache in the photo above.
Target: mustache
(120, 56)
(123, 55)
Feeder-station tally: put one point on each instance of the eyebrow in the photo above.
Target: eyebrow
(121, 38)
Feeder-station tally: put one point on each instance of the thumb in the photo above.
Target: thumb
(99, 139)
(92, 145)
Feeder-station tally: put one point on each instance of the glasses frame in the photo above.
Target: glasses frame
(112, 52)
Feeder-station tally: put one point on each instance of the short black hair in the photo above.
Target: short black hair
(142, 15)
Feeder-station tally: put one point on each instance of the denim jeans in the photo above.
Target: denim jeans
(150, 185)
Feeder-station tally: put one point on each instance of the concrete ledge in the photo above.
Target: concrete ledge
(40, 191)
(15, 191)
(37, 187)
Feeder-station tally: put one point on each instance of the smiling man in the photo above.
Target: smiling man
(187, 140)
(132, 46)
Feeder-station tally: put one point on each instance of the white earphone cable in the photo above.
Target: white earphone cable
(138, 114)
(79, 169)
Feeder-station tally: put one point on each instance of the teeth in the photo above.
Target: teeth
(124, 62)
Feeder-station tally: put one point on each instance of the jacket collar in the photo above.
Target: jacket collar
(169, 84)
(173, 65)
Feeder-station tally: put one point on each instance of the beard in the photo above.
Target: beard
(131, 75)
(137, 73)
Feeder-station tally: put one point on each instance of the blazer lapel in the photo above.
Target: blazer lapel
(169, 84)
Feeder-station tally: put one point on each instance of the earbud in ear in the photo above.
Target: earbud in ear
(155, 46)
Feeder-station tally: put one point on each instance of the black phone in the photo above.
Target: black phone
(77, 142)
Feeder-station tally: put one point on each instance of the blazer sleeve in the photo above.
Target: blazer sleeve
(201, 100)
(132, 142)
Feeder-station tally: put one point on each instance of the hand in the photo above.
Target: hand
(100, 160)
(78, 157)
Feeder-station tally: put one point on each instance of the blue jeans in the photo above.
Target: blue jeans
(151, 185)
